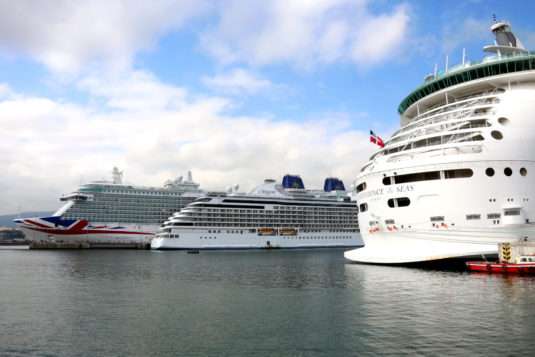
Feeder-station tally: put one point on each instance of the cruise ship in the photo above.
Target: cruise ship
(454, 180)
(111, 213)
(271, 216)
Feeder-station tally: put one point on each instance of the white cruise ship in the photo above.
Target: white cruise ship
(271, 216)
(454, 180)
(104, 213)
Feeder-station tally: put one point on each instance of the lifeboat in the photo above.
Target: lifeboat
(288, 232)
(267, 231)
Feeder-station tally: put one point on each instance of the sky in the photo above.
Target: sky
(234, 90)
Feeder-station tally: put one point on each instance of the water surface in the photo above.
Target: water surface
(262, 303)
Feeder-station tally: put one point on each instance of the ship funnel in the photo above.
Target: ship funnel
(190, 177)
(292, 181)
(333, 184)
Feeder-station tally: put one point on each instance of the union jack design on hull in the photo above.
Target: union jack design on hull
(80, 230)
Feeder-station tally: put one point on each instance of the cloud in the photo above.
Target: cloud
(379, 37)
(237, 81)
(471, 30)
(66, 35)
(69, 36)
(5, 90)
(135, 90)
(305, 33)
(49, 146)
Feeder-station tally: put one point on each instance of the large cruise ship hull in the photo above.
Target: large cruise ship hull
(245, 240)
(434, 245)
(55, 230)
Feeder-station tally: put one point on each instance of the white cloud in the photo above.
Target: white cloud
(137, 90)
(49, 146)
(470, 30)
(65, 35)
(305, 33)
(5, 90)
(237, 81)
(380, 37)
(69, 36)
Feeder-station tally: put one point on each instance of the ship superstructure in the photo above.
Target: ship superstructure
(454, 180)
(104, 213)
(271, 216)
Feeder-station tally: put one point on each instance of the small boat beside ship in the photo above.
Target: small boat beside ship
(514, 258)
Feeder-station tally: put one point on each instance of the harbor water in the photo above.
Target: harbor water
(255, 303)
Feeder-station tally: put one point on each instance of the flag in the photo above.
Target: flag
(374, 139)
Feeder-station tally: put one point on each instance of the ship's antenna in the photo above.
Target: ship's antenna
(464, 56)
(447, 59)
(436, 70)
(494, 18)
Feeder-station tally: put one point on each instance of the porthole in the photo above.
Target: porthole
(503, 121)
(507, 171)
(523, 171)
(489, 171)
(361, 187)
(496, 134)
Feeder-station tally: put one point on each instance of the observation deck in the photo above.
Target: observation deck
(510, 56)
(490, 66)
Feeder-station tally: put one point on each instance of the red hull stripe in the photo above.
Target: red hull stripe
(36, 223)
(85, 231)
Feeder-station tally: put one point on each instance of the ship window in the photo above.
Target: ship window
(471, 217)
(437, 219)
(496, 135)
(387, 181)
(507, 171)
(361, 187)
(399, 202)
(389, 221)
(489, 171)
(403, 201)
(523, 171)
(512, 212)
(363, 207)
(461, 173)
(503, 121)
(419, 176)
(493, 216)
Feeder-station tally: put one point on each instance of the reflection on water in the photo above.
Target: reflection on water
(299, 303)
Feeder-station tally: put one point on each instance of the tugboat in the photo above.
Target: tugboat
(515, 258)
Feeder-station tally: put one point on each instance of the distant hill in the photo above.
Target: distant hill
(7, 220)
